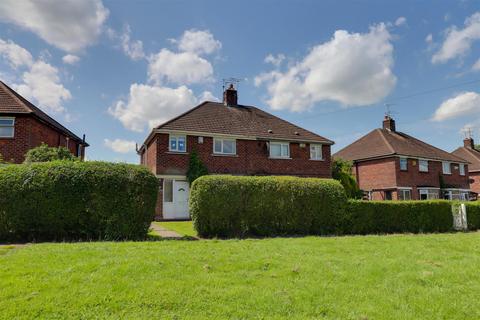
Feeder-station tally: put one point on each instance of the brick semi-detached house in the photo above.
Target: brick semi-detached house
(23, 126)
(391, 165)
(472, 155)
(229, 139)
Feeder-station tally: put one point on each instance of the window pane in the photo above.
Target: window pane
(423, 165)
(6, 122)
(6, 132)
(218, 146)
(228, 146)
(168, 190)
(275, 150)
(446, 167)
(284, 150)
(403, 164)
(462, 169)
(173, 143)
(181, 143)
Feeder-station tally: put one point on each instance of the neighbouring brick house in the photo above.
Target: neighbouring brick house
(391, 165)
(23, 126)
(472, 155)
(229, 139)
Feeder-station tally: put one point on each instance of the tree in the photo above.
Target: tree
(44, 153)
(342, 171)
(196, 168)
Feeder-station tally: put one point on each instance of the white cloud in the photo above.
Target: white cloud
(476, 66)
(208, 96)
(15, 54)
(180, 68)
(351, 68)
(132, 48)
(70, 25)
(400, 21)
(275, 60)
(429, 38)
(198, 41)
(458, 41)
(120, 145)
(70, 59)
(152, 105)
(42, 84)
(463, 104)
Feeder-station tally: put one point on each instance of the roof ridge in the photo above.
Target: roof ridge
(386, 141)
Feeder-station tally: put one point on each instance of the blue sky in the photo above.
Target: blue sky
(113, 69)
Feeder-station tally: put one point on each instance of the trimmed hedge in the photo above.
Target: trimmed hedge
(367, 217)
(473, 215)
(65, 200)
(239, 206)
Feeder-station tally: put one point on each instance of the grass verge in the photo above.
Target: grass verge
(363, 277)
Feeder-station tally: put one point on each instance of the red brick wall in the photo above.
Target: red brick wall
(475, 181)
(386, 173)
(30, 133)
(251, 159)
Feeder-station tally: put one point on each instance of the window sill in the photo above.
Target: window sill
(279, 158)
(176, 152)
(7, 138)
(316, 159)
(423, 171)
(447, 174)
(224, 155)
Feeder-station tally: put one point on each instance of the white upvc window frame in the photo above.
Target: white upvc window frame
(176, 137)
(282, 145)
(12, 126)
(170, 183)
(222, 151)
(406, 163)
(420, 161)
(316, 152)
(461, 169)
(401, 194)
(446, 165)
(432, 193)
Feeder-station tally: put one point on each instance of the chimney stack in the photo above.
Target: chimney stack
(230, 97)
(389, 123)
(469, 143)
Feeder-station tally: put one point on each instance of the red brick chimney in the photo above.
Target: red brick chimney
(389, 123)
(469, 143)
(230, 96)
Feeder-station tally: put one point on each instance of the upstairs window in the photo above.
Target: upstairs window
(7, 127)
(177, 143)
(461, 167)
(403, 164)
(280, 150)
(224, 146)
(316, 152)
(423, 165)
(447, 168)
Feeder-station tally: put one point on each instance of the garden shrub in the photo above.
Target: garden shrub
(238, 206)
(45, 153)
(367, 217)
(473, 215)
(67, 200)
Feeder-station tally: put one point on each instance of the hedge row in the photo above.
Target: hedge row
(473, 215)
(373, 217)
(233, 206)
(76, 201)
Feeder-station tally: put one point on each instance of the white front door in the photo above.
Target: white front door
(180, 199)
(175, 199)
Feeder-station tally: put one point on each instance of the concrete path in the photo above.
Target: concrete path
(164, 233)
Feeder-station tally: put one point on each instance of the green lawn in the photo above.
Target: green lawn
(372, 277)
(184, 228)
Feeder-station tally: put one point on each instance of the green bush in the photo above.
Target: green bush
(66, 200)
(342, 171)
(234, 206)
(367, 217)
(44, 153)
(473, 215)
